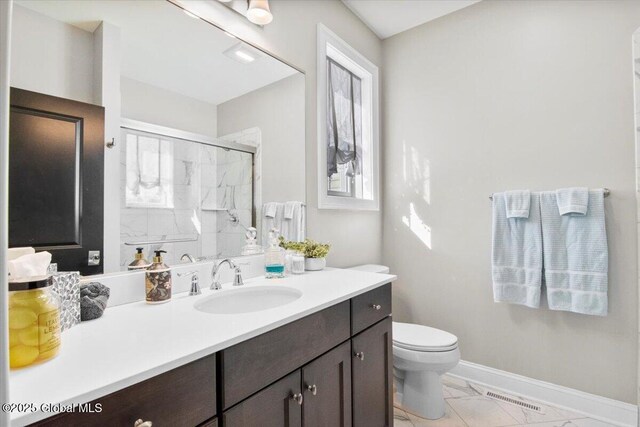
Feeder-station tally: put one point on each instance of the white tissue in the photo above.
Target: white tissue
(29, 266)
(14, 253)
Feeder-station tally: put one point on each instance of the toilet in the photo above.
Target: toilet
(421, 355)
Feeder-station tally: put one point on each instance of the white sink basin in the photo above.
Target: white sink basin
(247, 300)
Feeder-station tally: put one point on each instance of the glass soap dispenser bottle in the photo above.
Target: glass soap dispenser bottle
(274, 257)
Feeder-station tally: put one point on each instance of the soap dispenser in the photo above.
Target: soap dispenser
(158, 280)
(140, 262)
(274, 257)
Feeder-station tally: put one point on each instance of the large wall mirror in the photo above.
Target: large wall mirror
(209, 128)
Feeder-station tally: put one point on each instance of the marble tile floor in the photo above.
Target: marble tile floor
(468, 407)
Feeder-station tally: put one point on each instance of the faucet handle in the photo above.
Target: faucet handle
(195, 287)
(237, 278)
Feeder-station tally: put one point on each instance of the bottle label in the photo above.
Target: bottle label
(49, 331)
(158, 286)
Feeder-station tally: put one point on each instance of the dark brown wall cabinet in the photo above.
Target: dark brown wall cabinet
(56, 178)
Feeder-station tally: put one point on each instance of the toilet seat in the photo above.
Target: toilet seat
(422, 338)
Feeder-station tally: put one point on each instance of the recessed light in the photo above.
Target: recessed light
(244, 56)
(243, 53)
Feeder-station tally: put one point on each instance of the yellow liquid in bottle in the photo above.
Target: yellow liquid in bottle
(34, 327)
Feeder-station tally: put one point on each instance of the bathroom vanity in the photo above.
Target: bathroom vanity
(322, 359)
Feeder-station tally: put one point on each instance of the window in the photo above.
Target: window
(348, 148)
(149, 171)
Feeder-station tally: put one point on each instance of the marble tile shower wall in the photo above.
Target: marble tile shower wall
(207, 182)
(240, 186)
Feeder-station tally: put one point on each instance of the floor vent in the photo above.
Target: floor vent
(517, 402)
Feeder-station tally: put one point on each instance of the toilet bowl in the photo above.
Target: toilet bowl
(421, 355)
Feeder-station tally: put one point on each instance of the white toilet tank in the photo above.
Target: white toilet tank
(371, 268)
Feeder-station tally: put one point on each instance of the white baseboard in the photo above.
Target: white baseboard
(592, 406)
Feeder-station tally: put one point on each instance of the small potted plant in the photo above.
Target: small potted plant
(315, 254)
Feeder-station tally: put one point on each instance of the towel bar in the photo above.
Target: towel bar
(606, 192)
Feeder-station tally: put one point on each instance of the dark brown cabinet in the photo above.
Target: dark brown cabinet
(253, 364)
(326, 385)
(182, 397)
(372, 376)
(279, 405)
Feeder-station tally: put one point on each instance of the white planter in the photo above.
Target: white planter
(315, 264)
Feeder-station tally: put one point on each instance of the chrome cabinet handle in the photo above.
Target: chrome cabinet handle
(376, 306)
(298, 398)
(313, 389)
(140, 423)
(359, 355)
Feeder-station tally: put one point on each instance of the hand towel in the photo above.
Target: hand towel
(576, 259)
(288, 209)
(517, 203)
(572, 200)
(270, 209)
(271, 221)
(293, 227)
(517, 254)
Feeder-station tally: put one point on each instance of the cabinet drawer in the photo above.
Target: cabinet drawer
(185, 396)
(274, 406)
(370, 307)
(253, 364)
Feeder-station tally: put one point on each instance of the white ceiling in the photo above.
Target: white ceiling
(164, 47)
(389, 17)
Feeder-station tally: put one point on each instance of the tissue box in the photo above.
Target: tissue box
(67, 286)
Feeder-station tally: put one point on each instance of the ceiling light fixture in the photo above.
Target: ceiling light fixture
(259, 12)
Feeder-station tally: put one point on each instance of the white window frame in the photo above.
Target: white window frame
(331, 45)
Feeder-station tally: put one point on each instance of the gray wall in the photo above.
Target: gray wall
(51, 57)
(152, 104)
(355, 236)
(278, 110)
(507, 95)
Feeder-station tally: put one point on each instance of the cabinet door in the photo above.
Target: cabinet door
(326, 385)
(371, 370)
(279, 405)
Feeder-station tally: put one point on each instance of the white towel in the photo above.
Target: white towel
(270, 209)
(517, 203)
(293, 221)
(517, 254)
(575, 256)
(572, 200)
(273, 214)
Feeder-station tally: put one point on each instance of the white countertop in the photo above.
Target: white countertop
(133, 342)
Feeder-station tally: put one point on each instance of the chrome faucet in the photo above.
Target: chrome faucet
(237, 278)
(195, 286)
(189, 257)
